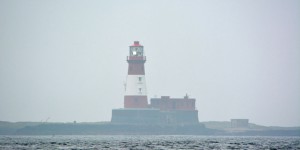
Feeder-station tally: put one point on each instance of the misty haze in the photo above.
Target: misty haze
(183, 67)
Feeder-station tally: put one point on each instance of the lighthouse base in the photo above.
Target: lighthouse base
(152, 116)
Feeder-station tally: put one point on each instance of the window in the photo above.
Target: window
(140, 89)
(140, 79)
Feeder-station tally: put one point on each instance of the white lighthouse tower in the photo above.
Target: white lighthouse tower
(135, 90)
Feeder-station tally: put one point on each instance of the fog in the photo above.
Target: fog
(66, 60)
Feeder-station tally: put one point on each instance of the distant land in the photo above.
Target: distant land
(107, 128)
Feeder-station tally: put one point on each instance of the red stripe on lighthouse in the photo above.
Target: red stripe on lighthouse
(135, 101)
(136, 65)
(136, 69)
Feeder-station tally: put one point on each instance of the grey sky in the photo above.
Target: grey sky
(66, 59)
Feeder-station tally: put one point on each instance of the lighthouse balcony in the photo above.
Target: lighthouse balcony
(136, 59)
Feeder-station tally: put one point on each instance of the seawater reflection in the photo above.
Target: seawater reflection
(148, 142)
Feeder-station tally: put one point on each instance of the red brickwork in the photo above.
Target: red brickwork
(167, 103)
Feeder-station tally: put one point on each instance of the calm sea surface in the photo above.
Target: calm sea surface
(147, 142)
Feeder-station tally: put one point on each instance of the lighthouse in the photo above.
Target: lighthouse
(135, 87)
(160, 111)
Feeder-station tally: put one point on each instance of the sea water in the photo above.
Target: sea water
(148, 142)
